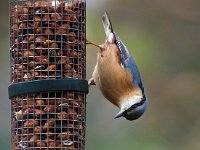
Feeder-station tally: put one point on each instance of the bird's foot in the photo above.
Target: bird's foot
(91, 82)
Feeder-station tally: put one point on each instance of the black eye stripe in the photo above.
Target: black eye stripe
(137, 104)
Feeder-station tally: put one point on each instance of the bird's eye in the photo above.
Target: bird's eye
(125, 113)
(134, 106)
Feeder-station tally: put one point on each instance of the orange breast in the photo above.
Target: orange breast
(115, 82)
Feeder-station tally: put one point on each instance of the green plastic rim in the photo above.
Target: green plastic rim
(32, 87)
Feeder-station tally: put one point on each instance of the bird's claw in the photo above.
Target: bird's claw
(91, 82)
(91, 43)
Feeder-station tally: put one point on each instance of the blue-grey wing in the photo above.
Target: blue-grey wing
(129, 63)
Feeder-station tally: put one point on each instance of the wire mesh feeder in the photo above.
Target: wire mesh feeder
(48, 88)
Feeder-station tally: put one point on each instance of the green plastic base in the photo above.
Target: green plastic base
(32, 87)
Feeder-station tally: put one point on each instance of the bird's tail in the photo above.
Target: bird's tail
(107, 24)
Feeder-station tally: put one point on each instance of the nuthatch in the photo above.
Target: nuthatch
(117, 75)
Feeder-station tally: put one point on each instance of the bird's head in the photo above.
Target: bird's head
(134, 112)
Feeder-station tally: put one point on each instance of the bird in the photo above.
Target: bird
(117, 76)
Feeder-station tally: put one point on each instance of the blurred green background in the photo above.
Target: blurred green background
(164, 38)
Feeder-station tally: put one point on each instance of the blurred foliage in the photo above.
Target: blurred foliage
(163, 37)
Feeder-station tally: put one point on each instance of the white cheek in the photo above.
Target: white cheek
(130, 101)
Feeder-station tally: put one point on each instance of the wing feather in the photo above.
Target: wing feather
(129, 63)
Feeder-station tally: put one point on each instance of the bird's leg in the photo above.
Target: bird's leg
(95, 75)
(99, 46)
(91, 43)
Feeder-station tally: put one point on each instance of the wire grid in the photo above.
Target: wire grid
(47, 40)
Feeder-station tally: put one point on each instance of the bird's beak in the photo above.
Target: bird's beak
(119, 114)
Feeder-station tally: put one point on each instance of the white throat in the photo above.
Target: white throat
(127, 103)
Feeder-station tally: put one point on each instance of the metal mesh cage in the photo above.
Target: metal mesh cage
(47, 42)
